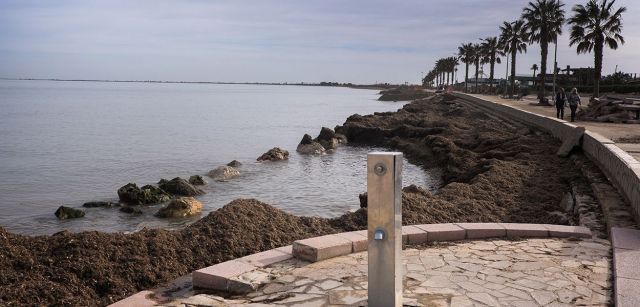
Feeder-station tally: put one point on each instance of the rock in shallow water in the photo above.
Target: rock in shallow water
(181, 187)
(65, 212)
(96, 204)
(131, 210)
(274, 154)
(147, 195)
(313, 148)
(234, 163)
(197, 180)
(181, 207)
(223, 173)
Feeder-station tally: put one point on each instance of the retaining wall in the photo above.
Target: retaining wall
(622, 169)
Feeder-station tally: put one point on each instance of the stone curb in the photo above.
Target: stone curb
(224, 276)
(626, 267)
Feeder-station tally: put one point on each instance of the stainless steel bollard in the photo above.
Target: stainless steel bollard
(384, 207)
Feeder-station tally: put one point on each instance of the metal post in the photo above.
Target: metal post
(384, 202)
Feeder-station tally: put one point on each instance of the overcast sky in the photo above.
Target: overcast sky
(265, 41)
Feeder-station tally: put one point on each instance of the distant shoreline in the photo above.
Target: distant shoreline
(331, 84)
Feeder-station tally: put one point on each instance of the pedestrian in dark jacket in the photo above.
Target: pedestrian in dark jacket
(561, 100)
(574, 101)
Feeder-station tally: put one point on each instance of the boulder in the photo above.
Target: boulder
(274, 154)
(223, 173)
(180, 187)
(234, 163)
(326, 134)
(65, 212)
(572, 141)
(311, 148)
(197, 180)
(330, 144)
(363, 200)
(96, 204)
(342, 139)
(162, 181)
(131, 210)
(306, 139)
(147, 195)
(329, 139)
(181, 207)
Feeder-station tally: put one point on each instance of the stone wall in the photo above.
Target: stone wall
(621, 168)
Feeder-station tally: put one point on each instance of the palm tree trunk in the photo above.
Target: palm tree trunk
(598, 68)
(493, 64)
(477, 68)
(544, 50)
(513, 71)
(466, 77)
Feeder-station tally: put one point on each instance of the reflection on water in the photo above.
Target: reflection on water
(72, 142)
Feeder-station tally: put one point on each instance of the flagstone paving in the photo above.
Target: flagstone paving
(533, 272)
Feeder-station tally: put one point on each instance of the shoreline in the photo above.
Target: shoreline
(487, 178)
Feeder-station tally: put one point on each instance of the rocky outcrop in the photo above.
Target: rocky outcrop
(180, 187)
(274, 154)
(97, 204)
(308, 146)
(197, 180)
(329, 139)
(234, 163)
(65, 212)
(223, 173)
(181, 207)
(403, 93)
(146, 195)
(363, 200)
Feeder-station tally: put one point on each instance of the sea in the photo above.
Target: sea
(70, 142)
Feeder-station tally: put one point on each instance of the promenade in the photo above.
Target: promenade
(625, 136)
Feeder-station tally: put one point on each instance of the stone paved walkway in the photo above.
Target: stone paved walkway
(533, 272)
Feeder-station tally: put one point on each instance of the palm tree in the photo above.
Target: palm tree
(465, 53)
(544, 20)
(476, 56)
(534, 68)
(491, 51)
(593, 26)
(513, 39)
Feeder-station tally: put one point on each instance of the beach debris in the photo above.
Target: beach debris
(234, 163)
(180, 207)
(223, 173)
(613, 109)
(197, 180)
(97, 204)
(274, 154)
(131, 210)
(573, 141)
(146, 195)
(65, 212)
(308, 146)
(180, 187)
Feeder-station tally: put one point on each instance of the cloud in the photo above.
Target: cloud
(346, 41)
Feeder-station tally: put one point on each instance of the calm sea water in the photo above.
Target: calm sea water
(72, 142)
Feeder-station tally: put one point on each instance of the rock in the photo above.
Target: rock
(223, 173)
(274, 154)
(65, 212)
(162, 181)
(328, 139)
(342, 139)
(363, 200)
(96, 204)
(181, 207)
(572, 141)
(234, 163)
(306, 139)
(197, 180)
(181, 187)
(147, 195)
(326, 134)
(313, 148)
(131, 210)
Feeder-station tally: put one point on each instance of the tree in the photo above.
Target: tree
(534, 68)
(465, 53)
(491, 52)
(593, 26)
(513, 39)
(543, 23)
(477, 57)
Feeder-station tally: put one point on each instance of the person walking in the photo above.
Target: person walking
(574, 101)
(561, 100)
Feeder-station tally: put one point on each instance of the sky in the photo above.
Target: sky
(266, 41)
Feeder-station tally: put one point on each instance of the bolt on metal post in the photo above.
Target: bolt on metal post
(384, 209)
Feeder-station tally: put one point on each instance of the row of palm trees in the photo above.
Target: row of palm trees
(593, 26)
